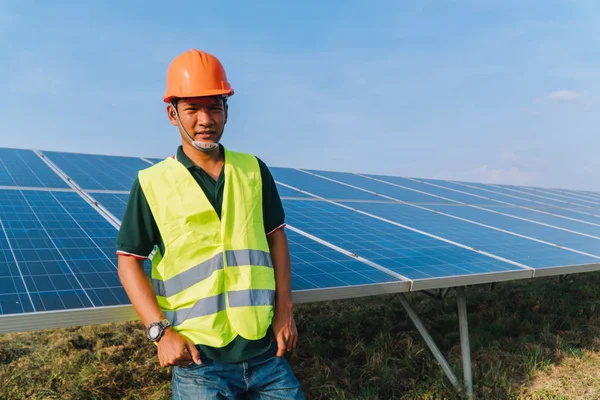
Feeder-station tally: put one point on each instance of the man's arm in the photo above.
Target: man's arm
(284, 326)
(137, 235)
(172, 346)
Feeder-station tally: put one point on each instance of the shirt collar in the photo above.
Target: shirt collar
(185, 160)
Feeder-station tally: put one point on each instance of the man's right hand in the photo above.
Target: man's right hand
(176, 349)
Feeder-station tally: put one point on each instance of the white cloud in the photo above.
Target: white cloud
(562, 95)
(508, 155)
(511, 176)
(510, 167)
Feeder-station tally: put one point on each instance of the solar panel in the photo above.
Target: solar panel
(305, 181)
(517, 249)
(24, 168)
(537, 197)
(549, 216)
(317, 270)
(512, 199)
(571, 239)
(93, 172)
(570, 212)
(406, 252)
(561, 194)
(378, 187)
(581, 195)
(587, 194)
(58, 244)
(570, 198)
(435, 190)
(529, 252)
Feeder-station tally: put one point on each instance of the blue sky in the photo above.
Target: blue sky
(490, 91)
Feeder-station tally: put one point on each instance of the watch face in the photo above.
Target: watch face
(153, 331)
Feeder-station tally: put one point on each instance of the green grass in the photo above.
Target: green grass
(529, 340)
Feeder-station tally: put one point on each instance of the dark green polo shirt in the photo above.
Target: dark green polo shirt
(139, 234)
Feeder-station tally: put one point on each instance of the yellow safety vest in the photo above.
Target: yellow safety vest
(215, 279)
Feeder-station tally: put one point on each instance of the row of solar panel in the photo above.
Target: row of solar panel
(58, 251)
(25, 168)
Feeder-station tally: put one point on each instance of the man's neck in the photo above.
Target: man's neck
(202, 159)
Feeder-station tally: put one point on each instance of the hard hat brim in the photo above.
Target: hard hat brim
(205, 93)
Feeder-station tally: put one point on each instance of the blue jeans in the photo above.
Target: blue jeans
(266, 377)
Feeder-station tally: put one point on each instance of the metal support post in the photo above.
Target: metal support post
(430, 343)
(464, 340)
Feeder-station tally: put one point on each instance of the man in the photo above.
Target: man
(218, 305)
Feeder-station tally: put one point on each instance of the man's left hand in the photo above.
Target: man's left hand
(285, 330)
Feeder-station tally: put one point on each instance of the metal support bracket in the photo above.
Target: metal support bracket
(465, 387)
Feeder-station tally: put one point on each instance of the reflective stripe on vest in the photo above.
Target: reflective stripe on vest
(215, 279)
(205, 269)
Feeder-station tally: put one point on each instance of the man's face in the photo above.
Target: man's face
(203, 118)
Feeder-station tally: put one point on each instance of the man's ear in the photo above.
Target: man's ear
(171, 113)
(226, 113)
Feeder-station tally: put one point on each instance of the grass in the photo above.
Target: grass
(529, 340)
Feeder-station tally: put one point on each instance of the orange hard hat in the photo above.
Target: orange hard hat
(196, 73)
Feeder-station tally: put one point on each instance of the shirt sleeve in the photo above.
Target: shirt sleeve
(139, 232)
(273, 212)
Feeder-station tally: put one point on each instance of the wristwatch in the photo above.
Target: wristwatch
(156, 330)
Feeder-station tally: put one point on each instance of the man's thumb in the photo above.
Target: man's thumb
(194, 352)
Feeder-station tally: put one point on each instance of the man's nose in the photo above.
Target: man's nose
(204, 117)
